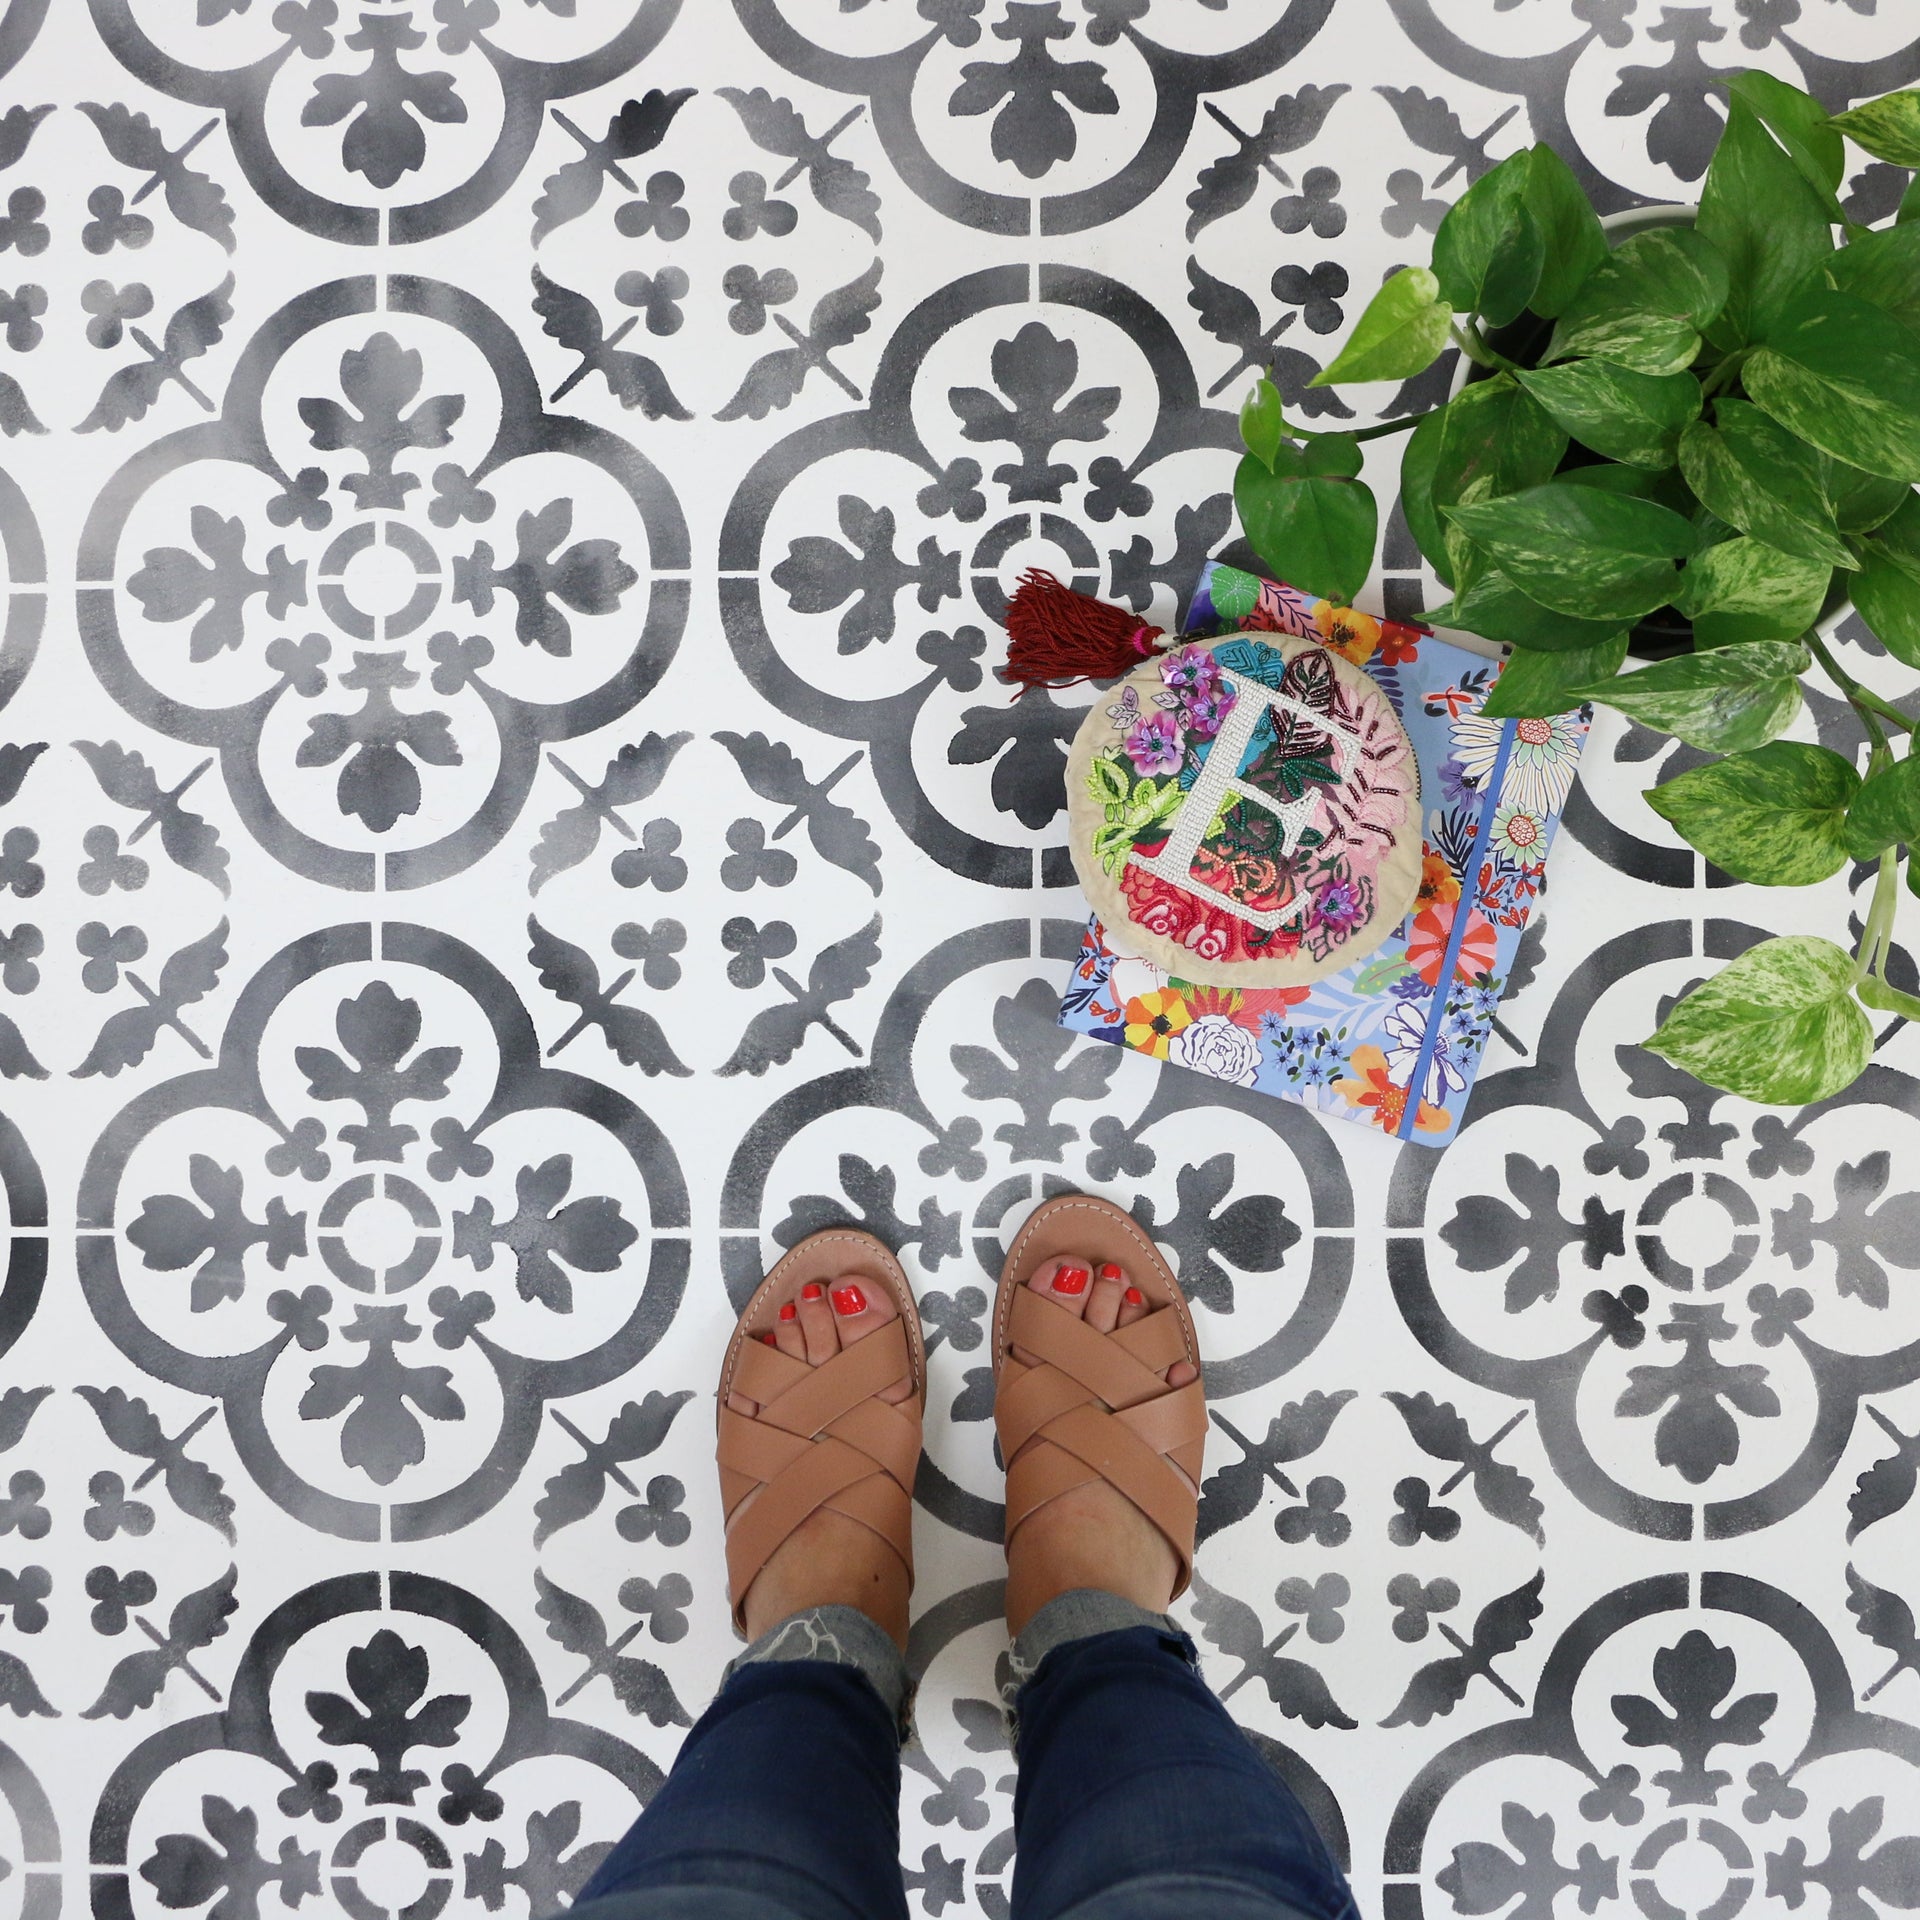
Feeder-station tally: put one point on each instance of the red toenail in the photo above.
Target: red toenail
(1070, 1280)
(813, 1290)
(1108, 1271)
(1134, 1297)
(849, 1300)
(767, 1340)
(788, 1311)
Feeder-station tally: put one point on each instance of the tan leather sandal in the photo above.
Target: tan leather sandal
(1095, 1407)
(823, 1436)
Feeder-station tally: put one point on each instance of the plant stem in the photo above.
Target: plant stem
(1475, 345)
(1467, 346)
(1864, 702)
(1723, 375)
(1877, 934)
(1887, 711)
(1386, 427)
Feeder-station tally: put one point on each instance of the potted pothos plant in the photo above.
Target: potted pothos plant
(1713, 423)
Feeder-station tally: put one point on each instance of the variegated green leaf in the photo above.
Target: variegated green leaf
(1400, 333)
(1646, 303)
(1779, 1024)
(1584, 553)
(1775, 817)
(1845, 377)
(1534, 684)
(1726, 701)
(1745, 590)
(1756, 476)
(1635, 417)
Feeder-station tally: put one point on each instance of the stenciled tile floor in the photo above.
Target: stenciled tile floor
(506, 506)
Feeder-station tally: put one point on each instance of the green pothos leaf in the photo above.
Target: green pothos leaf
(1888, 128)
(1886, 811)
(1488, 603)
(1587, 554)
(1775, 817)
(1646, 303)
(1635, 417)
(1314, 531)
(1881, 268)
(1755, 475)
(1263, 421)
(1743, 590)
(1767, 219)
(1779, 1024)
(1726, 701)
(1492, 438)
(1801, 125)
(1888, 598)
(1887, 588)
(1845, 377)
(1488, 251)
(1576, 241)
(1533, 684)
(1400, 333)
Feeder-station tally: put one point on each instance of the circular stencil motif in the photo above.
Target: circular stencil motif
(1247, 813)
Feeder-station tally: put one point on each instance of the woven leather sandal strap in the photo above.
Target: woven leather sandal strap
(821, 1438)
(1105, 1448)
(825, 1473)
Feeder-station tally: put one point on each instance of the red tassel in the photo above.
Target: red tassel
(1058, 638)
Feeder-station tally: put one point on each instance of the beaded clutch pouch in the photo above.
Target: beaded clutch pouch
(1351, 955)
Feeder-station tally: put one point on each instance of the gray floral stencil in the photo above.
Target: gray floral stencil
(507, 820)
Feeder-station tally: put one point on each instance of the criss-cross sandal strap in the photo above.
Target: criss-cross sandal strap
(1089, 1406)
(822, 1437)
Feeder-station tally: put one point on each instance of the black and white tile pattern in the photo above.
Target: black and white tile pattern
(505, 821)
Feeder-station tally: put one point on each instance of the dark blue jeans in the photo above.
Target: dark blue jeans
(1139, 1799)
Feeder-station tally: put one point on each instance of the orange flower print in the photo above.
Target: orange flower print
(1438, 886)
(1347, 631)
(1154, 1018)
(1432, 932)
(1376, 1095)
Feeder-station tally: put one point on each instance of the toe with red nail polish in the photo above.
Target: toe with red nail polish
(813, 1290)
(849, 1300)
(1070, 1279)
(1134, 1297)
(789, 1311)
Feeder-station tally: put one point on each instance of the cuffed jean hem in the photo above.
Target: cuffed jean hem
(1077, 1614)
(844, 1637)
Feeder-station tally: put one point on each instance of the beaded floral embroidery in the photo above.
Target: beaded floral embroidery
(1293, 862)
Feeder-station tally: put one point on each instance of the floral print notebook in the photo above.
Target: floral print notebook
(1395, 1040)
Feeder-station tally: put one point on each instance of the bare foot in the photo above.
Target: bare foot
(1093, 1536)
(829, 1560)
